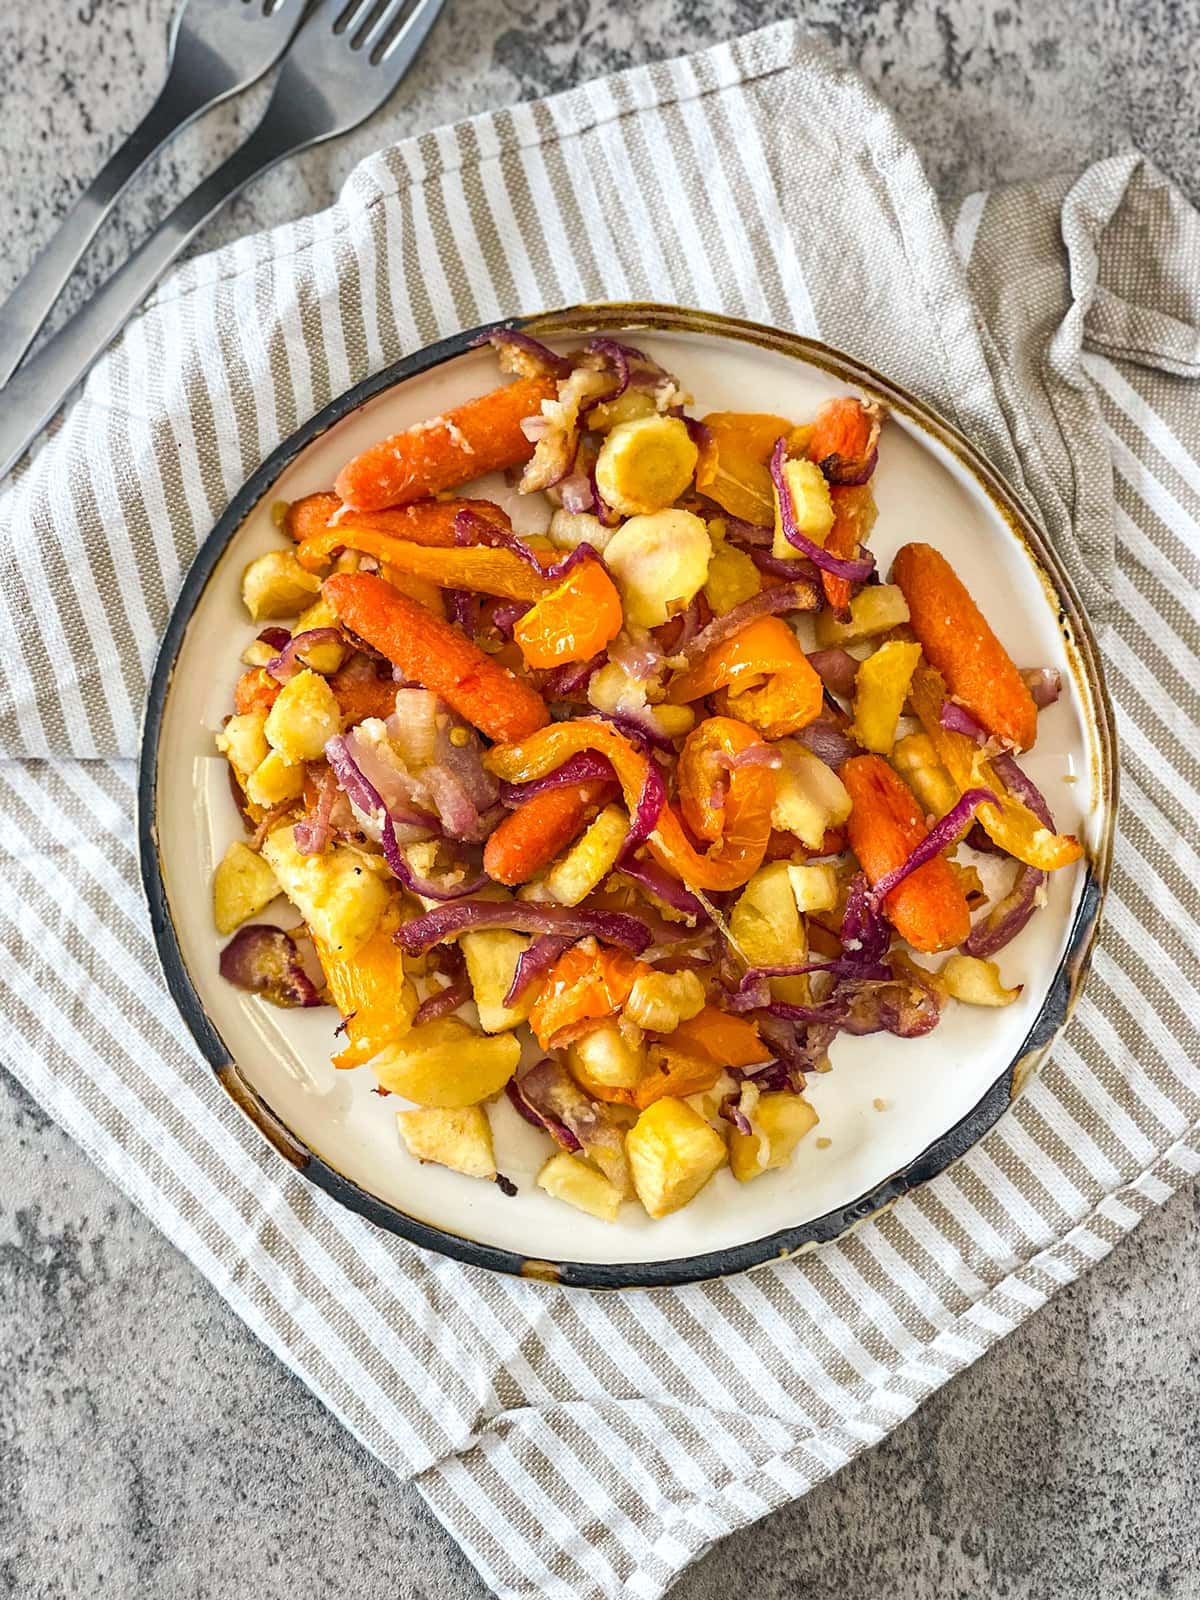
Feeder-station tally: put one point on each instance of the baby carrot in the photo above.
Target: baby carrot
(886, 824)
(482, 435)
(844, 439)
(853, 516)
(437, 656)
(534, 834)
(958, 642)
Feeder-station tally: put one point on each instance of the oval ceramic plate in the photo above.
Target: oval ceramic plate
(894, 1112)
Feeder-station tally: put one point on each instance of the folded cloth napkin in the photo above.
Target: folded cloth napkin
(586, 1445)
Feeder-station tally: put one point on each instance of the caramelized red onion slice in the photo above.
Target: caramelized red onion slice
(366, 798)
(585, 766)
(642, 733)
(539, 360)
(561, 683)
(471, 528)
(625, 930)
(780, 566)
(265, 961)
(311, 833)
(444, 1002)
(535, 960)
(773, 602)
(288, 663)
(837, 670)
(1044, 685)
(554, 1096)
(1019, 784)
(755, 535)
(558, 1131)
(1006, 919)
(826, 741)
(658, 882)
(576, 495)
(856, 570)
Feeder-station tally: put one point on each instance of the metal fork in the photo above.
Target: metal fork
(347, 59)
(215, 49)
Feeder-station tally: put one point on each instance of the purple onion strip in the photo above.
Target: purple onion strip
(853, 571)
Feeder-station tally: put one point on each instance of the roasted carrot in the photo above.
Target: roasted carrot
(256, 690)
(425, 522)
(886, 824)
(482, 435)
(844, 439)
(853, 518)
(538, 830)
(574, 621)
(360, 691)
(958, 641)
(437, 656)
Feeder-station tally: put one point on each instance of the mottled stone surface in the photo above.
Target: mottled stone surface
(149, 1446)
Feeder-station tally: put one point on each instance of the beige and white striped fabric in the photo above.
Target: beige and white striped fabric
(581, 1445)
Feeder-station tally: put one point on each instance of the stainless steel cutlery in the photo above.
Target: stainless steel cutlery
(343, 63)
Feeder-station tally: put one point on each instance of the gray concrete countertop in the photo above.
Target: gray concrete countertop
(149, 1446)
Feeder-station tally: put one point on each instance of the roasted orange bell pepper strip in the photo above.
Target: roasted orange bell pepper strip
(673, 1072)
(1011, 825)
(885, 826)
(729, 863)
(482, 435)
(574, 621)
(426, 523)
(704, 778)
(732, 469)
(745, 817)
(437, 656)
(770, 682)
(361, 694)
(477, 567)
(588, 983)
(958, 641)
(369, 991)
(532, 835)
(725, 1040)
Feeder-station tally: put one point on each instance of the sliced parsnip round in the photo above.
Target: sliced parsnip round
(645, 464)
(659, 562)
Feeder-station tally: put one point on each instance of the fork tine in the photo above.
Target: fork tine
(394, 26)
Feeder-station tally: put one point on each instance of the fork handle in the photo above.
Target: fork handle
(180, 101)
(33, 394)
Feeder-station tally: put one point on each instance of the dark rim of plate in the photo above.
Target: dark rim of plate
(942, 1151)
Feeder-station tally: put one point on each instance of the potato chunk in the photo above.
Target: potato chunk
(811, 503)
(659, 563)
(876, 609)
(975, 981)
(243, 743)
(590, 859)
(810, 798)
(607, 1056)
(645, 464)
(814, 884)
(304, 717)
(274, 780)
(916, 760)
(492, 955)
(276, 585)
(673, 1153)
(779, 1122)
(242, 885)
(660, 1001)
(567, 1178)
(447, 1064)
(732, 578)
(339, 897)
(456, 1137)
(880, 690)
(766, 928)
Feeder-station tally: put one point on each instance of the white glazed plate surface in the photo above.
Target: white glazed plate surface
(886, 1099)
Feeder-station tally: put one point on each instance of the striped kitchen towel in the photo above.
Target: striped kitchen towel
(584, 1445)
